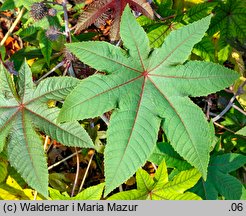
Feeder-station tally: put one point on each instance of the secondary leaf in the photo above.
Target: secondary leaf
(172, 158)
(160, 188)
(11, 190)
(242, 131)
(90, 193)
(199, 11)
(219, 181)
(229, 20)
(147, 89)
(45, 46)
(10, 4)
(3, 168)
(99, 10)
(23, 111)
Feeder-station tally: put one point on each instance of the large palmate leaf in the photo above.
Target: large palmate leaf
(219, 180)
(100, 10)
(147, 89)
(21, 113)
(159, 188)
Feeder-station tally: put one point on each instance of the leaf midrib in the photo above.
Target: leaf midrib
(171, 105)
(108, 90)
(170, 53)
(46, 93)
(9, 120)
(50, 122)
(134, 123)
(28, 150)
(112, 60)
(136, 45)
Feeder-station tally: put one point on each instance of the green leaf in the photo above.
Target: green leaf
(59, 181)
(183, 181)
(144, 181)
(219, 181)
(158, 35)
(162, 189)
(199, 11)
(55, 88)
(161, 176)
(229, 20)
(11, 190)
(164, 7)
(3, 51)
(90, 193)
(7, 88)
(45, 46)
(242, 131)
(166, 151)
(25, 83)
(146, 90)
(205, 49)
(26, 154)
(56, 195)
(21, 114)
(3, 169)
(11, 4)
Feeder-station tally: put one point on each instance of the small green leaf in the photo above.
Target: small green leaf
(161, 175)
(7, 88)
(166, 151)
(183, 181)
(144, 181)
(199, 11)
(25, 82)
(3, 169)
(55, 194)
(205, 49)
(242, 131)
(162, 189)
(90, 193)
(45, 46)
(11, 4)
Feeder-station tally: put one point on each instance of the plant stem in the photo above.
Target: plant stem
(51, 71)
(238, 109)
(67, 30)
(221, 126)
(63, 160)
(105, 119)
(155, 168)
(86, 172)
(11, 29)
(77, 173)
(121, 188)
(230, 104)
